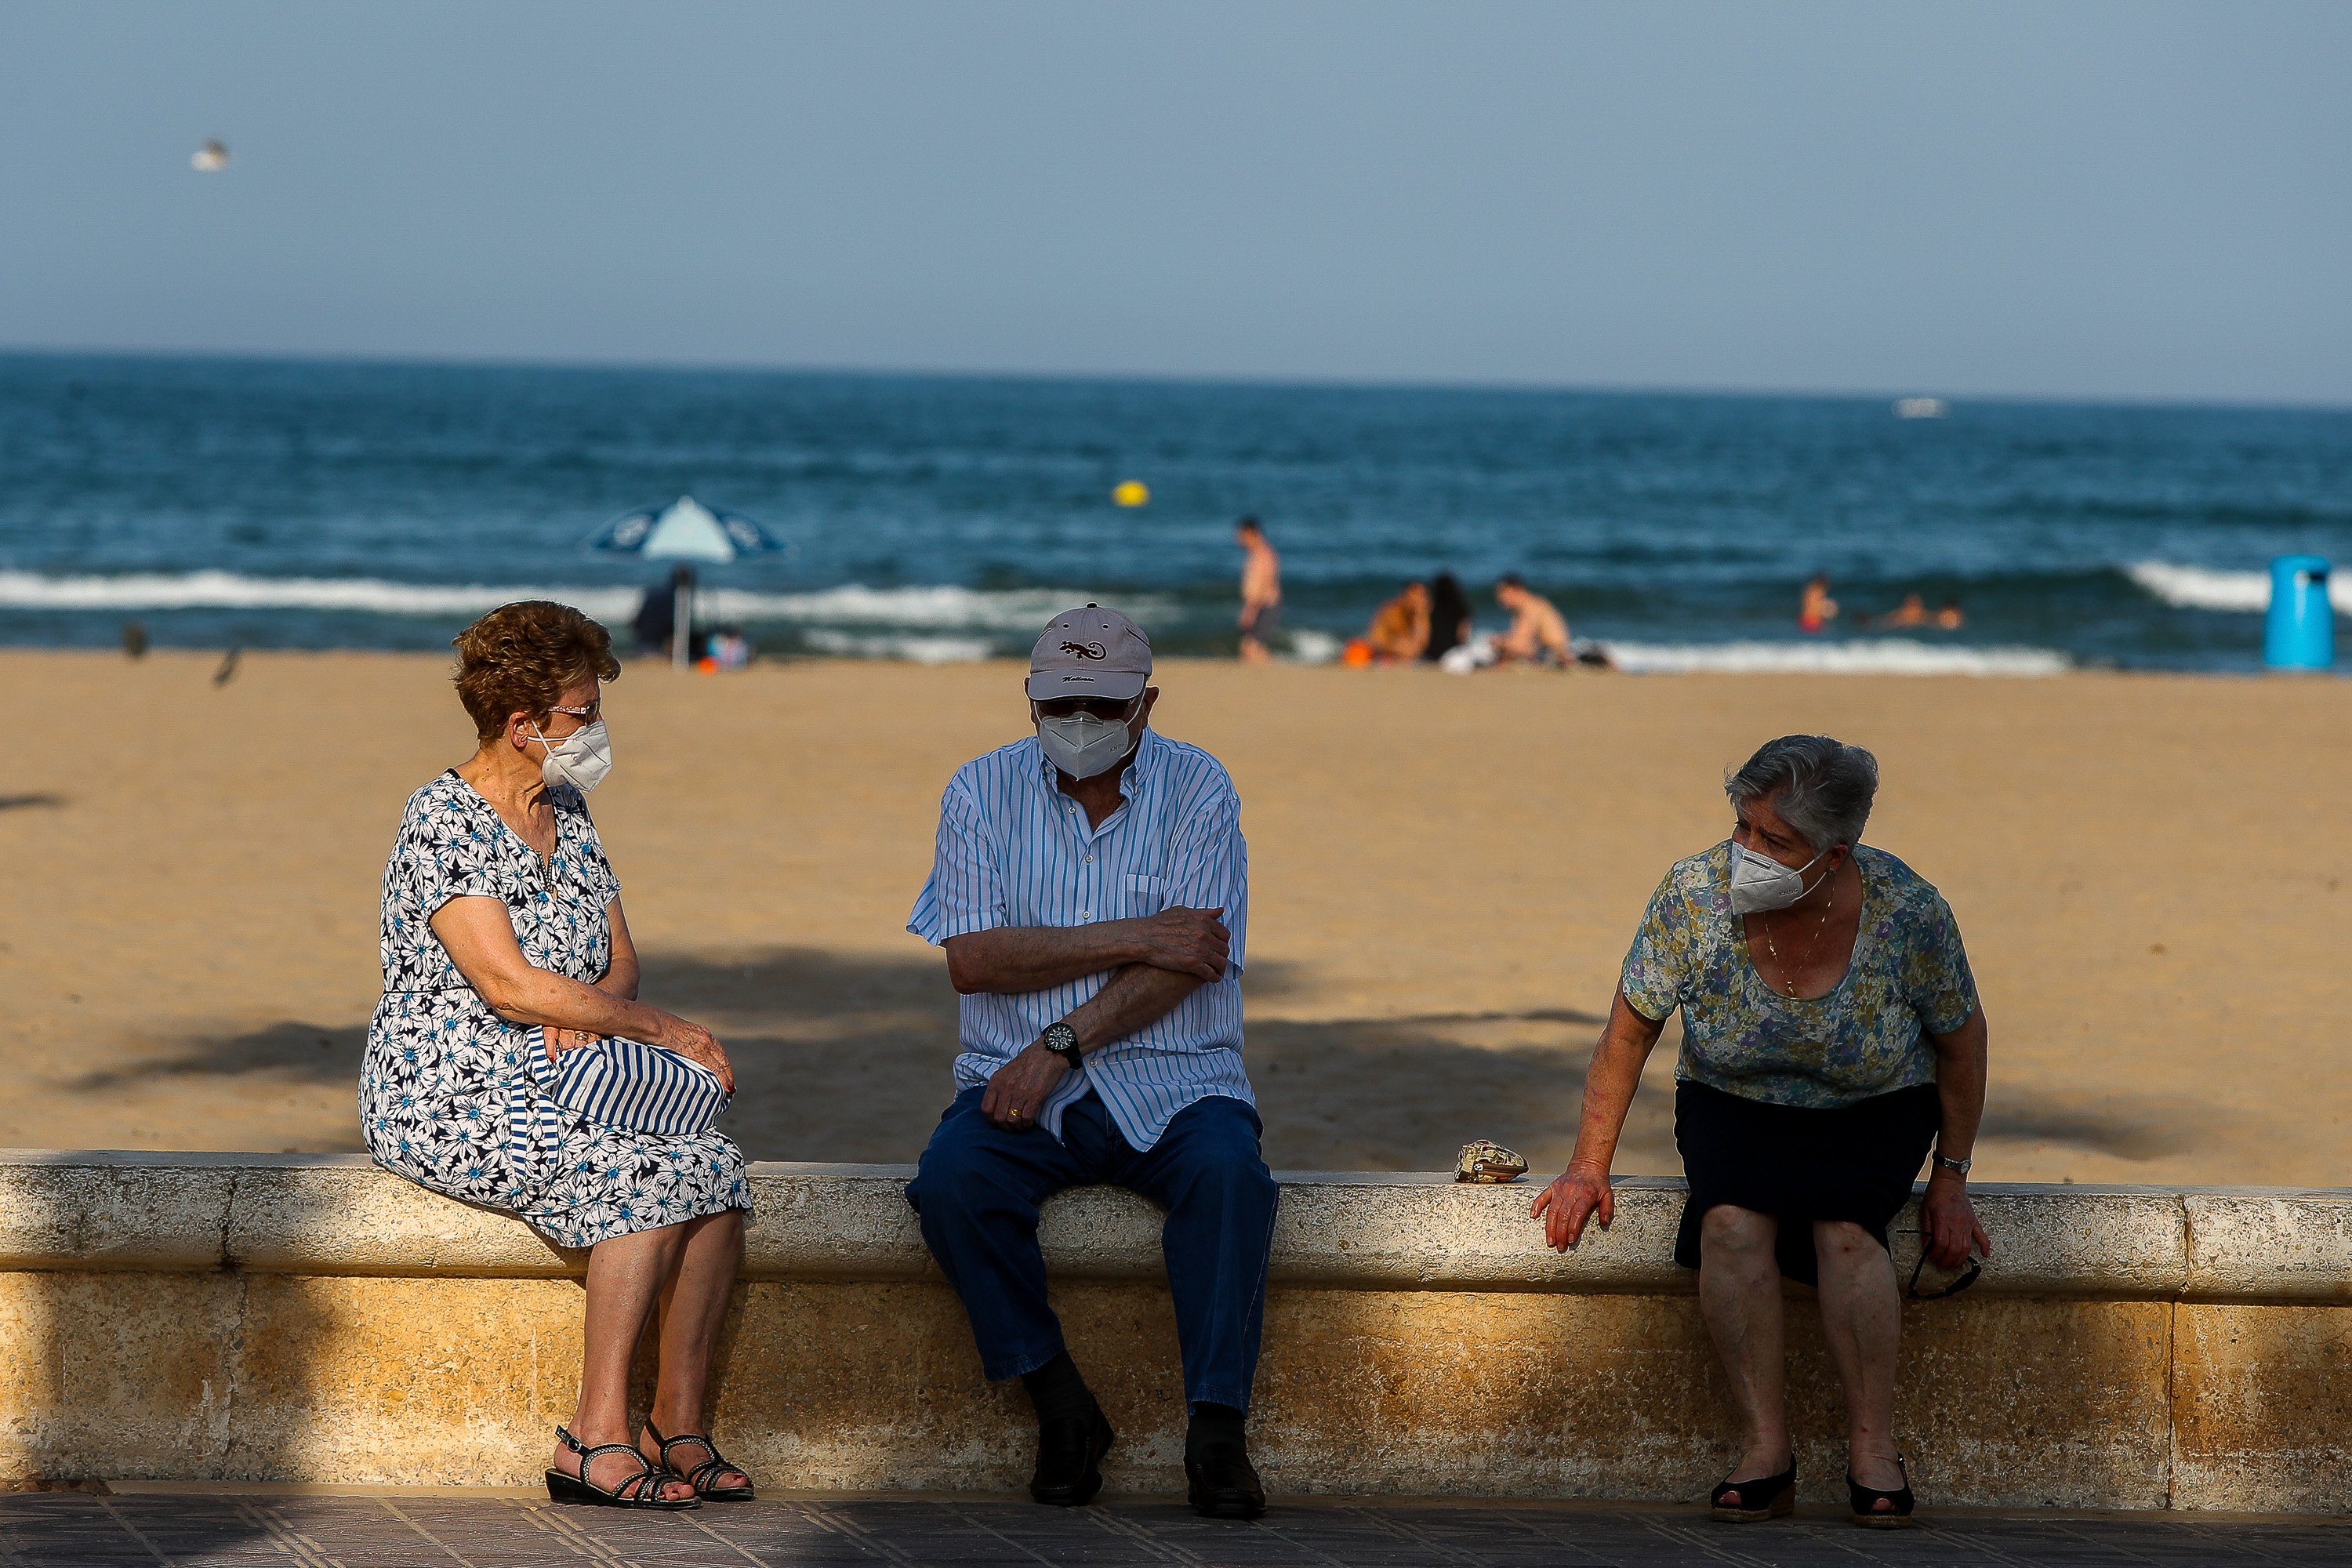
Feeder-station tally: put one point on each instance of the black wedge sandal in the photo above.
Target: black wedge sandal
(640, 1490)
(1864, 1502)
(698, 1477)
(1766, 1497)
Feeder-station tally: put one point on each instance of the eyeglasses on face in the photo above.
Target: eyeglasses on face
(1100, 707)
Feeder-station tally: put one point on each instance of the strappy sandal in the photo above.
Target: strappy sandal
(1865, 1501)
(640, 1490)
(1766, 1497)
(718, 1464)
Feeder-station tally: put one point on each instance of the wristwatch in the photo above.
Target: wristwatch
(1063, 1041)
(1957, 1167)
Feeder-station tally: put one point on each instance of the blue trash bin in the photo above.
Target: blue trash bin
(2300, 633)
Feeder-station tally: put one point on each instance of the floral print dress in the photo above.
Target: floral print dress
(446, 1098)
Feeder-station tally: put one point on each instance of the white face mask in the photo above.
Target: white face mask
(1082, 745)
(1760, 883)
(580, 759)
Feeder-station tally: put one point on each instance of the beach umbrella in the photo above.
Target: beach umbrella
(685, 531)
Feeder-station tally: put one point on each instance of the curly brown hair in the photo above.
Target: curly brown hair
(519, 657)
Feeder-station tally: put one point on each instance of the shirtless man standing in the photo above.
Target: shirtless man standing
(1538, 631)
(1261, 615)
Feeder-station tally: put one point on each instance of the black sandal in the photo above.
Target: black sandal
(1865, 1501)
(640, 1490)
(1737, 1501)
(718, 1464)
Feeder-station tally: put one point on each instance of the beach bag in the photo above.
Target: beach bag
(623, 1082)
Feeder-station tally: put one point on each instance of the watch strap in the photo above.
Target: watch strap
(1957, 1167)
(1063, 1041)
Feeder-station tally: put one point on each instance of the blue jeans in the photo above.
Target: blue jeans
(979, 1186)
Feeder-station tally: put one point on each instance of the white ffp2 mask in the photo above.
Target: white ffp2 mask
(580, 759)
(1082, 745)
(1760, 883)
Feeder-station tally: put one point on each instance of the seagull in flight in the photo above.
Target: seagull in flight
(211, 158)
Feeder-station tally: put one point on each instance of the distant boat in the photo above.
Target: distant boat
(1921, 408)
(211, 158)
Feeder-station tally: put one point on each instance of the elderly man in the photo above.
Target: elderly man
(1092, 891)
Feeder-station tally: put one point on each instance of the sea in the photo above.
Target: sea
(315, 504)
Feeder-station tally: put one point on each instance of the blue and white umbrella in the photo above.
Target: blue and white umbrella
(685, 529)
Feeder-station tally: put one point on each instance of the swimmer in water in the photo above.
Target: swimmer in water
(1817, 610)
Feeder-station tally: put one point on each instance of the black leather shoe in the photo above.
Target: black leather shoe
(1069, 1460)
(1225, 1484)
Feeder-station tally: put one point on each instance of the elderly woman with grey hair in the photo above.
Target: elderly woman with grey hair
(1832, 1036)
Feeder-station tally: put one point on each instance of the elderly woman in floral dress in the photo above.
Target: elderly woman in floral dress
(503, 939)
(1830, 1037)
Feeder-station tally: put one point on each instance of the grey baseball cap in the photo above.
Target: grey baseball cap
(1091, 652)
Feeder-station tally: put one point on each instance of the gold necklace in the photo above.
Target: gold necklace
(1814, 941)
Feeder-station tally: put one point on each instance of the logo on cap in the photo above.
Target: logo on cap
(1086, 650)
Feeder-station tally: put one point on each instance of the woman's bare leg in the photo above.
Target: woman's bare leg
(693, 1308)
(1862, 1318)
(624, 1275)
(1739, 1295)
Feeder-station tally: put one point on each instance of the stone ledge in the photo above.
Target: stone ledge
(338, 1214)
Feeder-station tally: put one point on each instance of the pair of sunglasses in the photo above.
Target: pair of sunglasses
(1970, 1276)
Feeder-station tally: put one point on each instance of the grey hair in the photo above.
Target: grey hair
(1820, 787)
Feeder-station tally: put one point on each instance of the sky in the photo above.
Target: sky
(2141, 200)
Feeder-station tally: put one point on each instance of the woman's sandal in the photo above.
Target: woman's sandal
(1865, 1501)
(640, 1490)
(718, 1464)
(1766, 1497)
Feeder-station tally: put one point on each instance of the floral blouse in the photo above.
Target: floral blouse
(1908, 978)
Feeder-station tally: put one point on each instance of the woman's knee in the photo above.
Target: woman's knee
(1839, 1241)
(1727, 1227)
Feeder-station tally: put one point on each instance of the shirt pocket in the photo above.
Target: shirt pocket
(1141, 895)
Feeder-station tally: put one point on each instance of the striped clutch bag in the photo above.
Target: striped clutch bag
(626, 1083)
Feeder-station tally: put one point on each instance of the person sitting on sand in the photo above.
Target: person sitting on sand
(504, 947)
(1831, 1038)
(1400, 629)
(1449, 617)
(1091, 890)
(1538, 632)
(1911, 612)
(1816, 610)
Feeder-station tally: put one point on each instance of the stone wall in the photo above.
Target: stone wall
(311, 1318)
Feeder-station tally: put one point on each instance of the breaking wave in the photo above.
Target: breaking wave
(1879, 655)
(2205, 588)
(942, 609)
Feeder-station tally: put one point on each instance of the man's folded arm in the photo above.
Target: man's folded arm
(1014, 959)
(1135, 998)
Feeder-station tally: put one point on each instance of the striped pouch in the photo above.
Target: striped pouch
(626, 1083)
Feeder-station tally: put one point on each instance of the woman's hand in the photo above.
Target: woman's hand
(1951, 1223)
(1575, 1196)
(561, 1040)
(695, 1043)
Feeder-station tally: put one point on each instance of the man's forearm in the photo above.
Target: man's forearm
(1014, 959)
(1136, 997)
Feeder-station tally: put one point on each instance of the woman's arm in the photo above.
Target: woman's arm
(1581, 1192)
(479, 936)
(1950, 1219)
(620, 977)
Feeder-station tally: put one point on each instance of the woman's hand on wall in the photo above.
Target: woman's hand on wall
(1576, 1194)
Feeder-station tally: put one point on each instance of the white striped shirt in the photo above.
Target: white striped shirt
(1015, 851)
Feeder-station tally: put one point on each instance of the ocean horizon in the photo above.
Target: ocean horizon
(374, 503)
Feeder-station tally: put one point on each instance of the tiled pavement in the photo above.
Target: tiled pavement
(63, 1530)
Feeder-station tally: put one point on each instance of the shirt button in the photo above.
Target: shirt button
(1090, 859)
(1086, 914)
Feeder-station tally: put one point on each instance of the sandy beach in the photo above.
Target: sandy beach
(2150, 872)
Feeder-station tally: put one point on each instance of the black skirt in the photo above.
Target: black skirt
(1855, 1162)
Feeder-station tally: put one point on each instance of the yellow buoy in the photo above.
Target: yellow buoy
(1131, 492)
